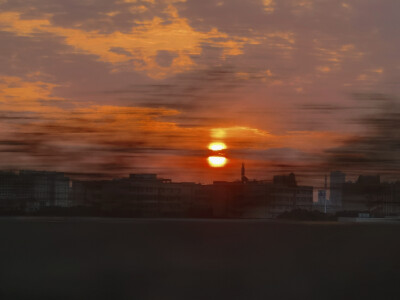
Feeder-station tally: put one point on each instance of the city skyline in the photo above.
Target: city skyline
(118, 87)
(146, 195)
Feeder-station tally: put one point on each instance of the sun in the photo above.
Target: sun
(216, 146)
(217, 161)
(217, 157)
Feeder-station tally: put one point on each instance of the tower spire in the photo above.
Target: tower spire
(244, 178)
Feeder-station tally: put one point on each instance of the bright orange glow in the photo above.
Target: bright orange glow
(217, 161)
(216, 146)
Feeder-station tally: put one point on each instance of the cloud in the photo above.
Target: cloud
(334, 56)
(92, 137)
(17, 94)
(115, 85)
(110, 139)
(377, 149)
(323, 69)
(140, 47)
(269, 5)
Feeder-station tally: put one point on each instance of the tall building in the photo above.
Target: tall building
(337, 180)
(321, 197)
(322, 194)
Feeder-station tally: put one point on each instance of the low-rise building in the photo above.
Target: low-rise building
(142, 195)
(371, 195)
(31, 190)
(263, 199)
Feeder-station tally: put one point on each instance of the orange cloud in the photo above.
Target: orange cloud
(140, 46)
(253, 138)
(323, 69)
(336, 55)
(17, 94)
(269, 5)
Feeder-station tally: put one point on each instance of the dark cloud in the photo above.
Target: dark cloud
(377, 149)
(164, 58)
(104, 16)
(199, 95)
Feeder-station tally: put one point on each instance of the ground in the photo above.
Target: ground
(88, 258)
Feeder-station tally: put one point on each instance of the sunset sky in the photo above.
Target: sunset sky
(130, 86)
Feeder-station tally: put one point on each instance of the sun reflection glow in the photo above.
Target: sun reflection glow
(217, 161)
(217, 146)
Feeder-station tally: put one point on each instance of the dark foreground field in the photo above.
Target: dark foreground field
(189, 259)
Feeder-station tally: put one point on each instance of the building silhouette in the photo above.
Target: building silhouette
(142, 195)
(322, 203)
(261, 199)
(32, 190)
(14, 191)
(337, 179)
(369, 194)
(147, 195)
